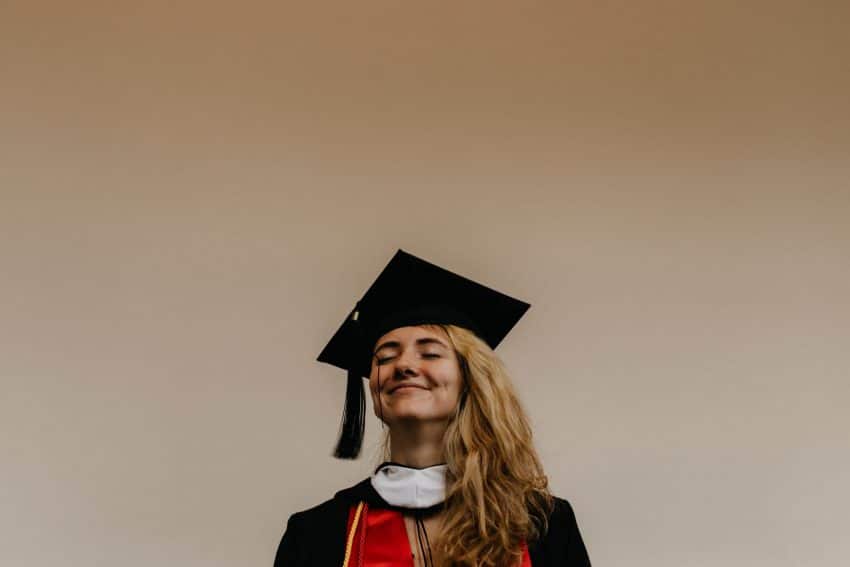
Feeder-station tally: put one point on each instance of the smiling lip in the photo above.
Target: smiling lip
(405, 387)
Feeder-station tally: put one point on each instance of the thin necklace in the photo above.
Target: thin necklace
(422, 540)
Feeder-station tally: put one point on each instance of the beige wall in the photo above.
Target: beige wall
(194, 193)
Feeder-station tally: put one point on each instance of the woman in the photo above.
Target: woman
(462, 484)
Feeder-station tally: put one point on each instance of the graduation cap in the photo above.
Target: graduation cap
(409, 291)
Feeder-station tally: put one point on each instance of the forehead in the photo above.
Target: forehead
(407, 334)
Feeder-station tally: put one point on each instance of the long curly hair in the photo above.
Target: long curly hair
(497, 494)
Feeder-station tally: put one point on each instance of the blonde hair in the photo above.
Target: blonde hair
(496, 492)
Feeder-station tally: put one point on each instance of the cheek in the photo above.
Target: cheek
(373, 384)
(451, 383)
(373, 381)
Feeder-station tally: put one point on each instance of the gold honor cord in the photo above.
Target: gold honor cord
(350, 539)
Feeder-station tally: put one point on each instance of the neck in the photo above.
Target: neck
(417, 445)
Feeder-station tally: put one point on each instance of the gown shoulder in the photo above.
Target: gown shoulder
(316, 536)
(562, 544)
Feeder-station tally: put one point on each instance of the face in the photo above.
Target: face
(415, 375)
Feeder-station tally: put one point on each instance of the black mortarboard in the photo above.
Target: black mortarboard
(409, 291)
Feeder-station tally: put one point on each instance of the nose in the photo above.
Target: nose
(406, 365)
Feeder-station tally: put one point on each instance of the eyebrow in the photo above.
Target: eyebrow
(423, 341)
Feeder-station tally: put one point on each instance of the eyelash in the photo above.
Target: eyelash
(426, 355)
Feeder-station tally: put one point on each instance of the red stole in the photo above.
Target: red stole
(380, 540)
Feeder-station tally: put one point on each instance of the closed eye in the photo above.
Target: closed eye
(386, 359)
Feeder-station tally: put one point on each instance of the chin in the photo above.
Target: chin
(412, 416)
(413, 408)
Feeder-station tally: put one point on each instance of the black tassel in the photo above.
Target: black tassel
(353, 419)
(354, 414)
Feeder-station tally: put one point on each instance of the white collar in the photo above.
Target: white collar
(410, 487)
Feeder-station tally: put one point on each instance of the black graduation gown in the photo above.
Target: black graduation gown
(316, 537)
